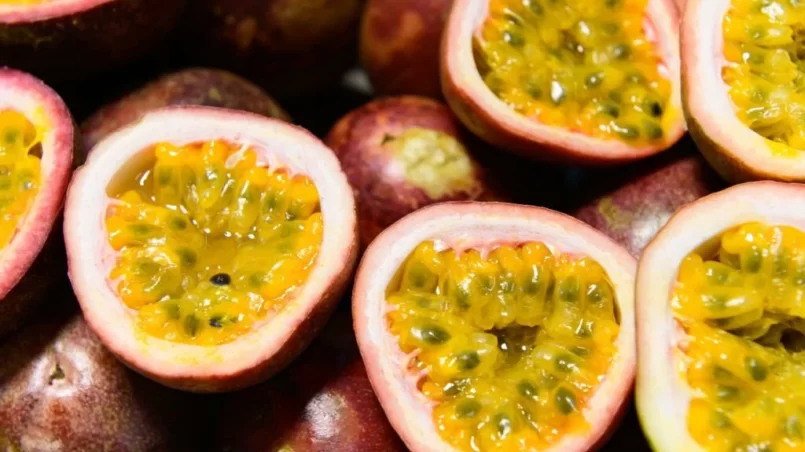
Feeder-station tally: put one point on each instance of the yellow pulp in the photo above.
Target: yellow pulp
(743, 308)
(20, 171)
(584, 65)
(209, 242)
(764, 46)
(513, 344)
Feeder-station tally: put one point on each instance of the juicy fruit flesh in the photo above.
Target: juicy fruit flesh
(20, 171)
(513, 343)
(209, 241)
(583, 65)
(743, 310)
(764, 48)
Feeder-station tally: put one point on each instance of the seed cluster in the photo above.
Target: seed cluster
(513, 344)
(583, 65)
(20, 171)
(209, 242)
(744, 312)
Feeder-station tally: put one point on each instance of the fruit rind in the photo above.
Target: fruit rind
(473, 224)
(662, 393)
(735, 151)
(491, 119)
(255, 356)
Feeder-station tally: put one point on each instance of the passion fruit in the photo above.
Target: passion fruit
(742, 82)
(207, 246)
(36, 158)
(638, 207)
(575, 82)
(323, 402)
(399, 45)
(720, 330)
(401, 154)
(195, 86)
(67, 40)
(60, 389)
(291, 47)
(492, 326)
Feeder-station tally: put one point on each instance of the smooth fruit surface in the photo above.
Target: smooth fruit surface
(489, 328)
(68, 40)
(399, 45)
(569, 81)
(36, 157)
(719, 291)
(234, 243)
(195, 86)
(401, 154)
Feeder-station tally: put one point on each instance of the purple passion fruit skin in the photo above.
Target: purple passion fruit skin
(293, 48)
(195, 86)
(71, 40)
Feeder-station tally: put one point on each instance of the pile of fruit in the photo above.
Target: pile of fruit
(382, 225)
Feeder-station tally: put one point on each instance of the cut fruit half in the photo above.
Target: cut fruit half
(720, 323)
(491, 326)
(207, 246)
(36, 157)
(570, 81)
(742, 74)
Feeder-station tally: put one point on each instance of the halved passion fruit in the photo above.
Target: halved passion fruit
(720, 323)
(743, 74)
(71, 39)
(491, 326)
(207, 246)
(36, 157)
(570, 80)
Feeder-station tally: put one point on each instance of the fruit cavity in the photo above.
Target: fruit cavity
(587, 66)
(210, 240)
(740, 303)
(20, 170)
(765, 70)
(510, 343)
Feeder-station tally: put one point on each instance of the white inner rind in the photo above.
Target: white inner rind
(466, 18)
(87, 244)
(707, 95)
(663, 394)
(470, 225)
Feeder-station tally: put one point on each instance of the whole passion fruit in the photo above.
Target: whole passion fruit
(399, 45)
(742, 77)
(401, 154)
(36, 158)
(61, 390)
(636, 209)
(585, 82)
(291, 47)
(323, 402)
(720, 330)
(207, 246)
(491, 326)
(195, 86)
(66, 40)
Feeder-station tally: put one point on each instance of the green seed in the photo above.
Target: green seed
(584, 330)
(564, 363)
(216, 321)
(653, 130)
(609, 109)
(569, 289)
(594, 80)
(720, 420)
(565, 400)
(432, 334)
(468, 360)
(621, 51)
(627, 132)
(467, 408)
(653, 108)
(171, 309)
(164, 176)
(527, 389)
(558, 93)
(756, 369)
(753, 261)
(140, 230)
(535, 7)
(191, 325)
(178, 223)
(187, 256)
(504, 425)
(727, 393)
(793, 428)
(513, 38)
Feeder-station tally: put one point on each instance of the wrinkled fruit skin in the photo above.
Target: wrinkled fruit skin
(73, 47)
(206, 87)
(399, 45)
(322, 403)
(60, 389)
(634, 212)
(357, 140)
(291, 47)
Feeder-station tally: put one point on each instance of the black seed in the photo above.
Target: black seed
(527, 389)
(191, 325)
(171, 309)
(621, 51)
(220, 279)
(468, 360)
(534, 91)
(594, 80)
(504, 425)
(467, 408)
(609, 109)
(727, 393)
(514, 38)
(757, 370)
(433, 335)
(654, 108)
(653, 130)
(216, 322)
(565, 400)
(564, 363)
